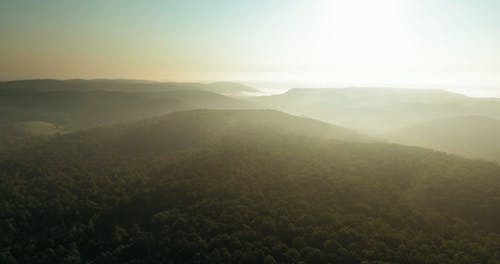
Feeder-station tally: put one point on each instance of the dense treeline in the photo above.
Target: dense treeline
(254, 195)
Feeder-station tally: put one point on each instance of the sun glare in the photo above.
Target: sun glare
(354, 34)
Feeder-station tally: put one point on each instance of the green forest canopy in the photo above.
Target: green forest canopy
(273, 193)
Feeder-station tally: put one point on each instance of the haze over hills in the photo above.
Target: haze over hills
(470, 136)
(80, 104)
(246, 186)
(124, 85)
(33, 109)
(221, 163)
(379, 110)
(107, 174)
(430, 118)
(199, 128)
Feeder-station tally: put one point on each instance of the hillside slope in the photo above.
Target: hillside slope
(471, 136)
(197, 129)
(379, 109)
(243, 187)
(76, 109)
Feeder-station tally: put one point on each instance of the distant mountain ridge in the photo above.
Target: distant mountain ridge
(379, 109)
(124, 85)
(82, 104)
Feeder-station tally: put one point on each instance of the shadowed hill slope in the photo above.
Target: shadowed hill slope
(204, 128)
(76, 109)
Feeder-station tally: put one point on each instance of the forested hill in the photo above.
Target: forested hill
(227, 186)
(435, 119)
(195, 129)
(203, 128)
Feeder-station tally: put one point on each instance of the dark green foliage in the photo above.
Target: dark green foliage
(220, 188)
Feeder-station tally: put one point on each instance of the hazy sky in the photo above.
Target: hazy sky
(358, 42)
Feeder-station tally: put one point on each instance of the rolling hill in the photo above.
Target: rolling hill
(77, 109)
(470, 136)
(379, 110)
(199, 129)
(32, 109)
(243, 186)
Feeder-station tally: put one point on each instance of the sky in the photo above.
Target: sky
(411, 43)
